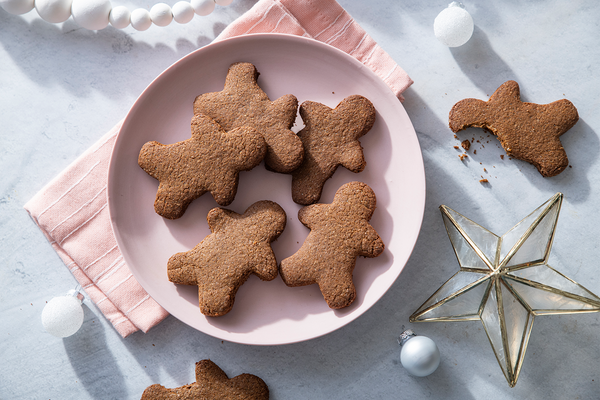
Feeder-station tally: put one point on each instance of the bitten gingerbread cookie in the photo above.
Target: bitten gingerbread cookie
(212, 383)
(238, 246)
(330, 139)
(527, 131)
(210, 161)
(243, 103)
(339, 232)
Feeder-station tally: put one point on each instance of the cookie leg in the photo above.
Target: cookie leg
(307, 186)
(170, 204)
(180, 270)
(339, 292)
(215, 301)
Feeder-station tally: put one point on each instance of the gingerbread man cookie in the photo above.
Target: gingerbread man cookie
(210, 161)
(339, 232)
(330, 139)
(527, 131)
(212, 383)
(243, 103)
(238, 246)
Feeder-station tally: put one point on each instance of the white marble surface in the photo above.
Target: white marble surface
(62, 87)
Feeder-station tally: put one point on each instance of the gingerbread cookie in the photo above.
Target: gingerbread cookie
(210, 161)
(330, 138)
(212, 383)
(243, 103)
(238, 246)
(527, 131)
(339, 232)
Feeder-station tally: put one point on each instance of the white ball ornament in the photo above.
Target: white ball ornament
(54, 11)
(420, 355)
(223, 2)
(17, 7)
(91, 14)
(203, 7)
(161, 14)
(140, 19)
(454, 25)
(119, 17)
(182, 12)
(63, 315)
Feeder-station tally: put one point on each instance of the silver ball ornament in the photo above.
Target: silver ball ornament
(420, 355)
(63, 315)
(454, 25)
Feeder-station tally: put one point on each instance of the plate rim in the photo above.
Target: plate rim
(225, 42)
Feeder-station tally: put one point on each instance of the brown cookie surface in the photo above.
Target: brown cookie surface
(238, 246)
(527, 131)
(243, 103)
(210, 161)
(212, 383)
(330, 139)
(339, 232)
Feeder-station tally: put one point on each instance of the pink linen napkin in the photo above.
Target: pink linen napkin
(72, 209)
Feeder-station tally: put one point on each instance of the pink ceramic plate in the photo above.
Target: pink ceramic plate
(266, 313)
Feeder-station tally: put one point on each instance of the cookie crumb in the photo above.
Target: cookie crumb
(466, 144)
(462, 156)
(483, 180)
(474, 151)
(485, 170)
(456, 147)
(502, 156)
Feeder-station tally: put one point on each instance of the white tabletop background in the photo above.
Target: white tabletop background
(62, 87)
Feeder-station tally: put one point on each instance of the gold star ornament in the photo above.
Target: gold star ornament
(505, 282)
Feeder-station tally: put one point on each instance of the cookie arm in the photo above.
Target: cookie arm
(309, 214)
(180, 270)
(264, 264)
(206, 371)
(371, 245)
(352, 157)
(150, 155)
(170, 202)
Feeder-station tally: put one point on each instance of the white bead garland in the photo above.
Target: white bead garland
(140, 19)
(54, 11)
(182, 12)
(91, 14)
(161, 14)
(203, 7)
(119, 17)
(17, 7)
(96, 14)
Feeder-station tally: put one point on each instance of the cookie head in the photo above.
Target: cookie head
(243, 103)
(239, 245)
(527, 131)
(339, 233)
(330, 139)
(212, 383)
(210, 161)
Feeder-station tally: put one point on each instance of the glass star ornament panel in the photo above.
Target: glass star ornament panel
(505, 282)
